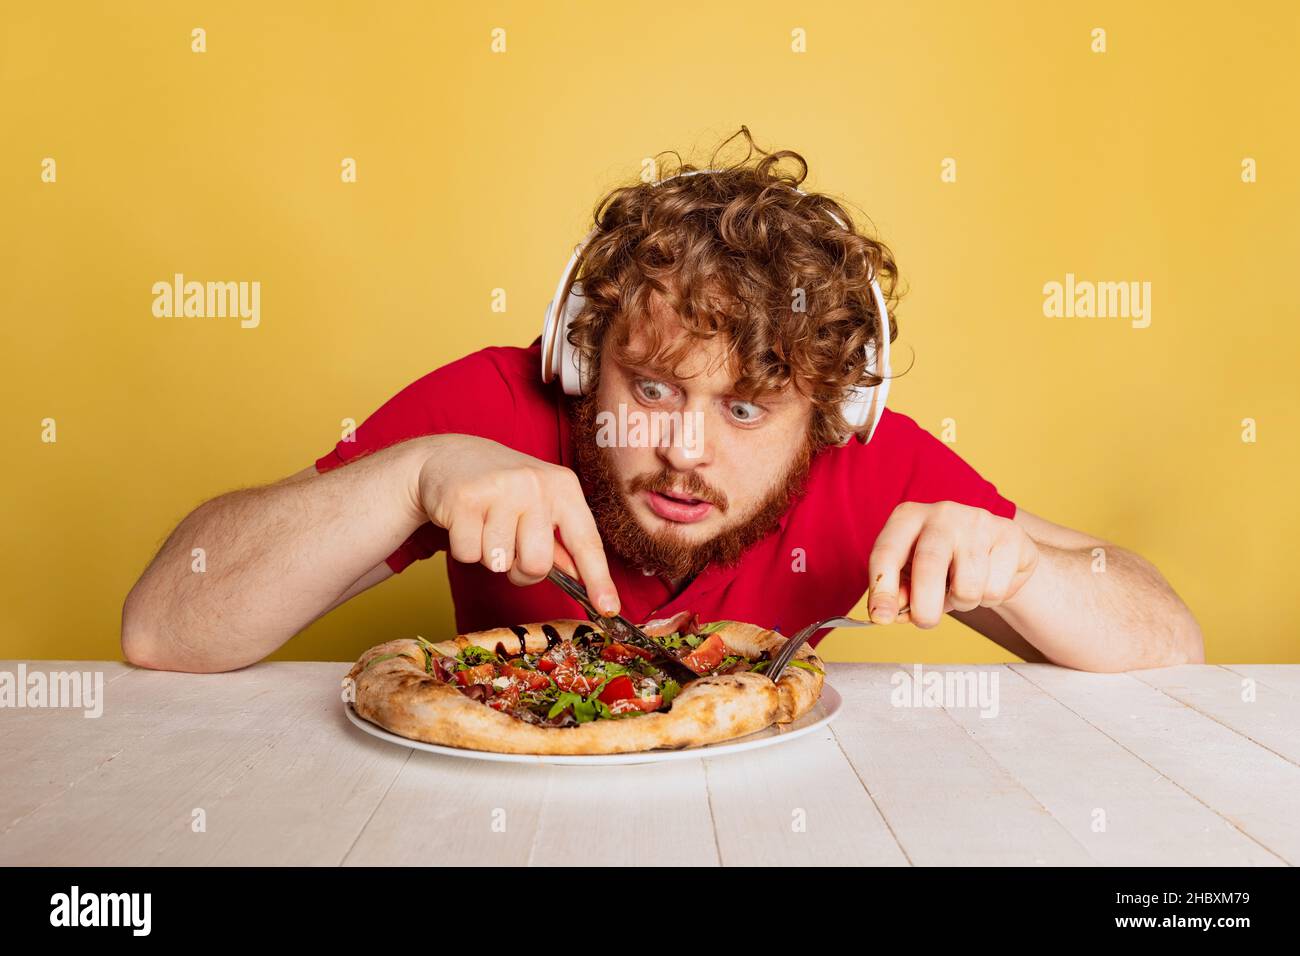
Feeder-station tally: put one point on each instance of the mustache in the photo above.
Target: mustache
(688, 483)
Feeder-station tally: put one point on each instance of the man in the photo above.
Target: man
(763, 515)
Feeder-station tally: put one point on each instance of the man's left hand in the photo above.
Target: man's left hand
(945, 556)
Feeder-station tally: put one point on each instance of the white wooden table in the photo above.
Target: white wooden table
(1166, 767)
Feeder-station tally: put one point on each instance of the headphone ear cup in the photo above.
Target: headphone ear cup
(549, 370)
(865, 404)
(569, 363)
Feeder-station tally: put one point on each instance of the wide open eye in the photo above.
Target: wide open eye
(649, 390)
(745, 413)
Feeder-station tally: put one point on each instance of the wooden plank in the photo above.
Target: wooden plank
(945, 799)
(1280, 677)
(1253, 788)
(453, 811)
(1270, 718)
(629, 815)
(1110, 801)
(262, 751)
(797, 804)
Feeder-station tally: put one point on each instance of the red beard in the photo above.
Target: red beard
(668, 552)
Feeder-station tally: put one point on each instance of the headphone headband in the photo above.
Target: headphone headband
(862, 409)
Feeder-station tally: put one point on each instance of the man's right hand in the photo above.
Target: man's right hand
(502, 508)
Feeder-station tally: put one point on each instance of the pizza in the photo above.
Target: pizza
(567, 687)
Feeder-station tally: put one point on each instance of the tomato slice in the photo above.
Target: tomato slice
(647, 704)
(505, 699)
(567, 678)
(621, 653)
(620, 688)
(707, 656)
(533, 680)
(555, 656)
(482, 674)
(584, 685)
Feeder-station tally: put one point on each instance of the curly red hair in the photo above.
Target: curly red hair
(739, 252)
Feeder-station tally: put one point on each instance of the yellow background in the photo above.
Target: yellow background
(479, 171)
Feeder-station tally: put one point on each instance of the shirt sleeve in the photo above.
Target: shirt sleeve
(469, 396)
(939, 474)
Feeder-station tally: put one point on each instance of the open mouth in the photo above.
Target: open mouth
(684, 499)
(674, 506)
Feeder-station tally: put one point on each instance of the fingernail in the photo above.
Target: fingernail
(881, 614)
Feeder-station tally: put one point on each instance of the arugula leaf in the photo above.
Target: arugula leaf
(431, 649)
(673, 640)
(614, 669)
(566, 699)
(808, 667)
(645, 668)
(715, 626)
(375, 660)
(760, 666)
(584, 709)
(693, 640)
(473, 654)
(670, 690)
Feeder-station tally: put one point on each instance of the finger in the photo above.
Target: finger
(562, 559)
(499, 539)
(967, 578)
(578, 533)
(1003, 565)
(1028, 561)
(904, 602)
(534, 547)
(931, 559)
(888, 555)
(465, 536)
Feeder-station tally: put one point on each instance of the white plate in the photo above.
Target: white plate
(822, 713)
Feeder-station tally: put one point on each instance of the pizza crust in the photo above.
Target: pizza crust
(392, 689)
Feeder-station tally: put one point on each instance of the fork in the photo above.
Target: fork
(787, 652)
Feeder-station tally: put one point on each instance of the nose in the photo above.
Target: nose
(685, 447)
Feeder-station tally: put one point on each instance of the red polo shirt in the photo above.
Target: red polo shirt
(814, 565)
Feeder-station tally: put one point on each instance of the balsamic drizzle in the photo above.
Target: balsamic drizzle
(521, 632)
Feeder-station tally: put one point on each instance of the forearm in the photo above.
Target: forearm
(272, 560)
(1126, 617)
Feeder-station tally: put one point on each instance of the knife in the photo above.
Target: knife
(621, 628)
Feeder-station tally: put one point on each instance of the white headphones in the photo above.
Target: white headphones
(862, 408)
